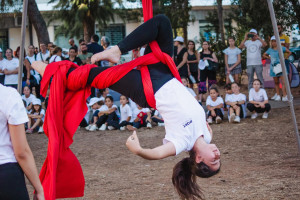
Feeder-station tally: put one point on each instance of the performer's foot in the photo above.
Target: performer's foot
(112, 55)
(39, 66)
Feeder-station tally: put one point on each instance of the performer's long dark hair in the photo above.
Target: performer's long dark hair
(184, 177)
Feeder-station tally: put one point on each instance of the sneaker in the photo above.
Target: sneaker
(88, 127)
(218, 120)
(41, 130)
(231, 118)
(102, 128)
(209, 120)
(285, 98)
(278, 98)
(265, 115)
(93, 127)
(253, 116)
(110, 128)
(149, 125)
(122, 128)
(237, 119)
(29, 131)
(274, 97)
(160, 124)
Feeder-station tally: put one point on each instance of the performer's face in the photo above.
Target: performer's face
(210, 155)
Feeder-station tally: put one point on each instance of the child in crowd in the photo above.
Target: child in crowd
(90, 118)
(258, 100)
(28, 97)
(235, 102)
(126, 112)
(272, 53)
(232, 61)
(141, 118)
(107, 116)
(36, 117)
(185, 82)
(228, 92)
(103, 93)
(214, 104)
(157, 118)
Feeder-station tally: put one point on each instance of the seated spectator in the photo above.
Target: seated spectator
(185, 82)
(85, 56)
(107, 116)
(10, 69)
(258, 100)
(214, 104)
(36, 117)
(141, 118)
(56, 55)
(126, 113)
(235, 102)
(157, 118)
(91, 118)
(72, 56)
(228, 92)
(103, 93)
(28, 98)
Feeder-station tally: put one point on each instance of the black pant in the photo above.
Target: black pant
(252, 108)
(157, 120)
(2, 79)
(12, 182)
(218, 112)
(111, 119)
(158, 28)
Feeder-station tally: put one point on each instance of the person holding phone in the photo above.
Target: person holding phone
(253, 43)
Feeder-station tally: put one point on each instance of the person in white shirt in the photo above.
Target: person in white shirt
(214, 104)
(15, 155)
(11, 69)
(44, 54)
(56, 55)
(2, 60)
(254, 62)
(92, 115)
(258, 100)
(235, 102)
(157, 118)
(36, 117)
(28, 97)
(126, 113)
(141, 117)
(185, 82)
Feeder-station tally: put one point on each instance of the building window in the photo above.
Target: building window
(3, 39)
(115, 32)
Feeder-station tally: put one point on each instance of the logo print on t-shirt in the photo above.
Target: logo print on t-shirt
(187, 123)
(253, 48)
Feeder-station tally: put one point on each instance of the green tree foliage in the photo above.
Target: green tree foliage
(79, 16)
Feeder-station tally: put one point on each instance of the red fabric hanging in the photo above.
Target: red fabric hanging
(61, 174)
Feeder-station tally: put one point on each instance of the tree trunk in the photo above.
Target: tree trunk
(88, 29)
(185, 25)
(221, 21)
(38, 22)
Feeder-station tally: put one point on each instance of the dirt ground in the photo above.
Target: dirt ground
(260, 160)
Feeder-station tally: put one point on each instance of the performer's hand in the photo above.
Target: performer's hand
(133, 143)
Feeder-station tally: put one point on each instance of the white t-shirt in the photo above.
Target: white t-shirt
(136, 111)
(237, 97)
(12, 111)
(259, 96)
(2, 65)
(210, 102)
(42, 57)
(184, 117)
(29, 99)
(232, 54)
(32, 71)
(105, 108)
(191, 91)
(227, 96)
(55, 58)
(41, 113)
(125, 112)
(253, 52)
(11, 65)
(156, 113)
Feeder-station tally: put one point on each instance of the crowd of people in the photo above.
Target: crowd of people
(197, 69)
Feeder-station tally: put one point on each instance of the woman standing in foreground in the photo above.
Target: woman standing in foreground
(15, 155)
(185, 124)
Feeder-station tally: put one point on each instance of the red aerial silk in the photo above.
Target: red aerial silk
(61, 174)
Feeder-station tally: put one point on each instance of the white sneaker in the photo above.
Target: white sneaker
(102, 128)
(88, 127)
(209, 120)
(41, 130)
(218, 120)
(278, 98)
(253, 116)
(160, 124)
(149, 125)
(274, 97)
(237, 119)
(231, 118)
(110, 128)
(285, 98)
(265, 115)
(122, 128)
(93, 127)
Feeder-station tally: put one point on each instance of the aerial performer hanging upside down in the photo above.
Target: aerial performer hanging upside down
(155, 85)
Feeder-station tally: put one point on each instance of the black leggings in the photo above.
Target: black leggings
(218, 112)
(252, 108)
(12, 182)
(158, 28)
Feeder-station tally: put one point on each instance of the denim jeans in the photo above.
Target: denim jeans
(258, 69)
